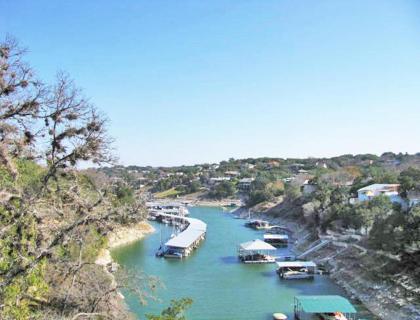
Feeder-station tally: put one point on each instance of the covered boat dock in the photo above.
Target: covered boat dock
(185, 242)
(256, 251)
(296, 269)
(325, 307)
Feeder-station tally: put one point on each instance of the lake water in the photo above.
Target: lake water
(220, 286)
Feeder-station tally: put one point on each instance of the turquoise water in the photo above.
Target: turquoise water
(221, 287)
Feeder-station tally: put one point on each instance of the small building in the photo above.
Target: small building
(413, 198)
(390, 190)
(323, 307)
(244, 184)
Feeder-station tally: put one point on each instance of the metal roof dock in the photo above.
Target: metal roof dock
(305, 305)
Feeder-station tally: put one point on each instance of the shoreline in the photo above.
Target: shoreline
(369, 294)
(123, 236)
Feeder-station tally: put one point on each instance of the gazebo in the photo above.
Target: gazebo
(337, 307)
(256, 251)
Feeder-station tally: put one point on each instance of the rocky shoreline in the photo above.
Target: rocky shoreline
(123, 236)
(351, 268)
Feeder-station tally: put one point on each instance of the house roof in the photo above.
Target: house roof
(379, 187)
(319, 304)
(257, 245)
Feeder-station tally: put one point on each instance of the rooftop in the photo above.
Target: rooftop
(319, 304)
(380, 187)
(196, 228)
(257, 245)
(276, 236)
(295, 264)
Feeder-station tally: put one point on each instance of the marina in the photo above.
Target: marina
(220, 285)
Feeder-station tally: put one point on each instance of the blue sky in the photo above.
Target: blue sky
(201, 81)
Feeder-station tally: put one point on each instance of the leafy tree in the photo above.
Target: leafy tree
(409, 180)
(176, 311)
(223, 189)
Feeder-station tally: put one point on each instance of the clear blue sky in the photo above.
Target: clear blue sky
(200, 81)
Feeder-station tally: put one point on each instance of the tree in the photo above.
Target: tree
(409, 179)
(176, 311)
(53, 220)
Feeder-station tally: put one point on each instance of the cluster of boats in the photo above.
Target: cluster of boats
(263, 251)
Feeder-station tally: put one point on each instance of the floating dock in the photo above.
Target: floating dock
(185, 242)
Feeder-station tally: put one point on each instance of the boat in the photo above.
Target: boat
(172, 254)
(257, 224)
(296, 269)
(277, 240)
(332, 316)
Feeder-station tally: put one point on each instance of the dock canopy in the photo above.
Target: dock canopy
(324, 304)
(296, 264)
(257, 245)
(195, 230)
(271, 236)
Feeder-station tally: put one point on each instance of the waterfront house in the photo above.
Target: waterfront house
(244, 184)
(390, 190)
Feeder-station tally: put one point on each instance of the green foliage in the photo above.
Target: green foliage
(292, 191)
(23, 295)
(409, 180)
(176, 311)
(223, 189)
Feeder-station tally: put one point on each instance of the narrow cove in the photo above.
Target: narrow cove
(220, 286)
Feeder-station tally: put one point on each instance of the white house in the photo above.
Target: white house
(390, 190)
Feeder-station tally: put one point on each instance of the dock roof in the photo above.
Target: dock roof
(320, 304)
(295, 264)
(257, 245)
(196, 228)
(276, 236)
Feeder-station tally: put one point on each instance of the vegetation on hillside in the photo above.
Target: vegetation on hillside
(53, 218)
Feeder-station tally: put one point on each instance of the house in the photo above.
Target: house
(244, 184)
(216, 180)
(232, 173)
(413, 198)
(374, 190)
(309, 187)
